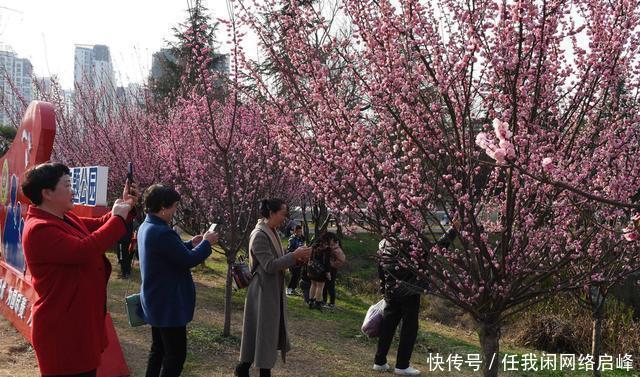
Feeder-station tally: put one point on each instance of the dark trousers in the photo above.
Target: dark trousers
(330, 288)
(124, 258)
(295, 277)
(91, 373)
(168, 351)
(406, 309)
(305, 284)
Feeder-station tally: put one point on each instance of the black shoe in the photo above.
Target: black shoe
(242, 370)
(312, 304)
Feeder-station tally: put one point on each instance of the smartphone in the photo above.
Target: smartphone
(130, 172)
(213, 227)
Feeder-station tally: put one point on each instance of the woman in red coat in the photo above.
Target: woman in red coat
(65, 255)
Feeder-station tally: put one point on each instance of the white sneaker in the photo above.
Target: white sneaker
(289, 291)
(382, 368)
(409, 371)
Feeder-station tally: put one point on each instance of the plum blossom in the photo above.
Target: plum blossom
(547, 164)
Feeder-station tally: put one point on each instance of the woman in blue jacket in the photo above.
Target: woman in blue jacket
(168, 295)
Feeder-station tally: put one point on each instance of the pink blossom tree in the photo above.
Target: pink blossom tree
(220, 155)
(395, 120)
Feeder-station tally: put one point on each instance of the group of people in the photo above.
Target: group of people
(317, 279)
(65, 254)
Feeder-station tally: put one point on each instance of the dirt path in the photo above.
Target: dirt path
(17, 358)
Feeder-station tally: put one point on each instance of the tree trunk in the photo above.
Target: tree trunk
(597, 314)
(305, 224)
(227, 303)
(489, 333)
(339, 231)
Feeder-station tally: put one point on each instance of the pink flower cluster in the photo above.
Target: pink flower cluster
(632, 232)
(504, 151)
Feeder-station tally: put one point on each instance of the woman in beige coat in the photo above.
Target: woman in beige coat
(264, 328)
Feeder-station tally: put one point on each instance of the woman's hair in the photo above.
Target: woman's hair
(159, 196)
(40, 177)
(269, 206)
(327, 237)
(323, 241)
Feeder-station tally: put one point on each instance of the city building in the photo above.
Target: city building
(15, 86)
(93, 66)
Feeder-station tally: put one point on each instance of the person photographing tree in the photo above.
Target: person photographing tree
(402, 290)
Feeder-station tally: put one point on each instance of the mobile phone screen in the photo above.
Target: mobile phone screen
(213, 227)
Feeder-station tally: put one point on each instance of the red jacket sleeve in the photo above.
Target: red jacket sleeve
(48, 243)
(93, 223)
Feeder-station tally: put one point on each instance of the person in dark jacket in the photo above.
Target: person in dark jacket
(168, 294)
(124, 257)
(318, 269)
(296, 240)
(402, 291)
(338, 259)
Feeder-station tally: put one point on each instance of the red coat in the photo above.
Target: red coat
(69, 272)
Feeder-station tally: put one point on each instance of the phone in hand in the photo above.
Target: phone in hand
(212, 228)
(130, 172)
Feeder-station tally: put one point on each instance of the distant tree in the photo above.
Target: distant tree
(173, 60)
(7, 134)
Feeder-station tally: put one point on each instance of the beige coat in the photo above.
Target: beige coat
(264, 327)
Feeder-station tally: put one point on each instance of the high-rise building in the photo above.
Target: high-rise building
(93, 66)
(160, 60)
(15, 86)
(132, 94)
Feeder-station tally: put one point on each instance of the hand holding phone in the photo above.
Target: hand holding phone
(130, 187)
(211, 234)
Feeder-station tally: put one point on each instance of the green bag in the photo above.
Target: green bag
(133, 304)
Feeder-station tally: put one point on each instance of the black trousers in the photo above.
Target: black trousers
(406, 309)
(124, 258)
(168, 351)
(295, 277)
(305, 283)
(330, 288)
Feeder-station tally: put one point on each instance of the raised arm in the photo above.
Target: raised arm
(169, 246)
(48, 243)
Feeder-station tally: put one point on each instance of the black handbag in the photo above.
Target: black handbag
(241, 274)
(315, 270)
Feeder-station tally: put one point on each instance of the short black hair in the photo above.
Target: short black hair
(298, 227)
(326, 237)
(268, 206)
(40, 177)
(159, 196)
